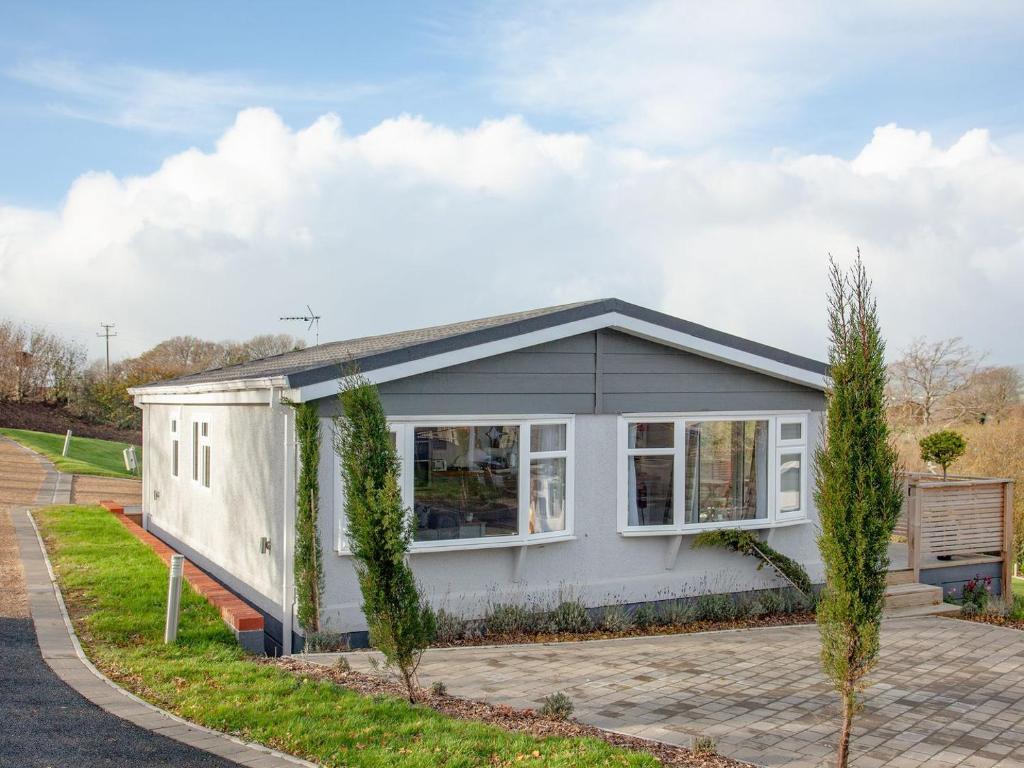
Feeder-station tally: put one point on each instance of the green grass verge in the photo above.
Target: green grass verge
(86, 456)
(115, 588)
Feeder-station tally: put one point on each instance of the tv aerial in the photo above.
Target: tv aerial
(313, 320)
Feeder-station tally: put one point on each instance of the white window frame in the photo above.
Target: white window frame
(175, 430)
(794, 419)
(798, 446)
(404, 428)
(775, 446)
(197, 441)
(624, 454)
(567, 454)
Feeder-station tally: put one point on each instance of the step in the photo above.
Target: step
(900, 576)
(942, 609)
(911, 595)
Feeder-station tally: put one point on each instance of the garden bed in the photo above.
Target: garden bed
(995, 619)
(777, 620)
(526, 721)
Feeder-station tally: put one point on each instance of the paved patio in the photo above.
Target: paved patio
(947, 692)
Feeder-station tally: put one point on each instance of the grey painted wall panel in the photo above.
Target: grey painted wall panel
(670, 361)
(461, 383)
(511, 403)
(953, 577)
(636, 375)
(737, 381)
(715, 401)
(532, 362)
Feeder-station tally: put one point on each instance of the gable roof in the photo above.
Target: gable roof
(395, 355)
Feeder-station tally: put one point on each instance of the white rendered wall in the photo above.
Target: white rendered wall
(600, 566)
(225, 522)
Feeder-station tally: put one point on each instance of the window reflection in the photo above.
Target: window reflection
(726, 471)
(466, 482)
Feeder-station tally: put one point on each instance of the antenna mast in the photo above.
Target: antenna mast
(313, 320)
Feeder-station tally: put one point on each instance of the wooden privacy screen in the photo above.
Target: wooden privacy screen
(962, 517)
(958, 516)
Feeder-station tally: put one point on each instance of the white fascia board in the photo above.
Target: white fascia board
(238, 391)
(614, 320)
(237, 397)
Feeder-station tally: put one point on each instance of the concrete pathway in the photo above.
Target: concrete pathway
(56, 708)
(947, 692)
(92, 490)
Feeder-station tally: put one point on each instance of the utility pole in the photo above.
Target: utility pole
(106, 335)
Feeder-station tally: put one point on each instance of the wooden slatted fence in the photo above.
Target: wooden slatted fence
(958, 516)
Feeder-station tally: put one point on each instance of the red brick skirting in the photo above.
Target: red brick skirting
(236, 613)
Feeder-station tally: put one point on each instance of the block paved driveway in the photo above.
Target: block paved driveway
(947, 692)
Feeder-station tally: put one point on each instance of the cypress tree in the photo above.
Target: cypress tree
(379, 532)
(308, 566)
(858, 493)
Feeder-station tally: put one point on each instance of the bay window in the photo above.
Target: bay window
(684, 473)
(482, 482)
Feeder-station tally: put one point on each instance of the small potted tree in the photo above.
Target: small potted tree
(943, 448)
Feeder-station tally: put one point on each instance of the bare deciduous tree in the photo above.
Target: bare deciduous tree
(925, 380)
(990, 394)
(37, 364)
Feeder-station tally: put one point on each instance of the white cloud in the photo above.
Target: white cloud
(413, 224)
(677, 73)
(165, 101)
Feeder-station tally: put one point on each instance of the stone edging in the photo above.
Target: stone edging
(62, 652)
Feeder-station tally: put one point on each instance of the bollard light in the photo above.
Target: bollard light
(174, 598)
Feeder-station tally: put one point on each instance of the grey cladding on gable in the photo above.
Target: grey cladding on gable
(563, 377)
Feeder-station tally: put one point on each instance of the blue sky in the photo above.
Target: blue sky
(370, 61)
(569, 141)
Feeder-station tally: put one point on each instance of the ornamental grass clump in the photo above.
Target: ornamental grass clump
(510, 619)
(448, 628)
(570, 616)
(716, 608)
(615, 618)
(676, 613)
(645, 616)
(401, 623)
(772, 603)
(557, 706)
(858, 491)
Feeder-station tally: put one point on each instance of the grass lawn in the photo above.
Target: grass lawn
(116, 588)
(86, 456)
(1018, 587)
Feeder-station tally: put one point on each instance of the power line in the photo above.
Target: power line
(106, 335)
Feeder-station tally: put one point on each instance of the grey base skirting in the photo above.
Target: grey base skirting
(269, 641)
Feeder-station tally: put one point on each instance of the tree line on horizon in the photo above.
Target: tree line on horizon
(37, 365)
